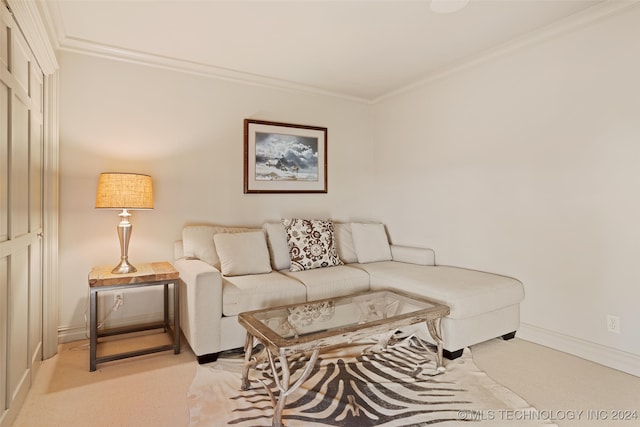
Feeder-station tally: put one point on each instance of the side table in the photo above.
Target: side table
(152, 274)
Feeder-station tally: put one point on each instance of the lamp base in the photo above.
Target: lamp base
(123, 268)
(124, 234)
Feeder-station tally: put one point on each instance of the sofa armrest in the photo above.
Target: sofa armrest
(200, 304)
(413, 255)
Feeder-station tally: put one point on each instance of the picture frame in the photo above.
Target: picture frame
(284, 158)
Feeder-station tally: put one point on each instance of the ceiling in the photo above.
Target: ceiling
(352, 48)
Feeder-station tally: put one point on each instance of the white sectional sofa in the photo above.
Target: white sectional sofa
(227, 270)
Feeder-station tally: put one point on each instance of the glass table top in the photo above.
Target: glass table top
(340, 315)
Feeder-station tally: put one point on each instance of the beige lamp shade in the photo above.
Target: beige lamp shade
(124, 191)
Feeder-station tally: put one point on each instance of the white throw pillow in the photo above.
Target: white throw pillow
(197, 241)
(278, 248)
(243, 253)
(311, 243)
(371, 242)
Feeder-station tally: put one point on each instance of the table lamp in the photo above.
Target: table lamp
(124, 191)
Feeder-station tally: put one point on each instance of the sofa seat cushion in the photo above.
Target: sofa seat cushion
(256, 291)
(467, 292)
(328, 282)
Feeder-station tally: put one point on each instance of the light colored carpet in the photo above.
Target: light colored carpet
(396, 387)
(571, 391)
(142, 391)
(151, 391)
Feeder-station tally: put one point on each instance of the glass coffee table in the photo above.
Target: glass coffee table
(314, 325)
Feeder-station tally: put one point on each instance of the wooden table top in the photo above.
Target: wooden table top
(149, 272)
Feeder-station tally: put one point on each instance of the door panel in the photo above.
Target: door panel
(18, 320)
(4, 161)
(19, 179)
(21, 217)
(4, 44)
(3, 334)
(4, 203)
(4, 206)
(20, 61)
(36, 165)
(35, 303)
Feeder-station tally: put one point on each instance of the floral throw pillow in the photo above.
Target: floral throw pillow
(311, 243)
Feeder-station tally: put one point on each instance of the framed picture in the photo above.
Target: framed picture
(284, 158)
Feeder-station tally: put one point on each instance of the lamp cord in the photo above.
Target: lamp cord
(116, 305)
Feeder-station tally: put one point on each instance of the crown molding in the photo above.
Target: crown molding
(571, 23)
(76, 45)
(29, 19)
(66, 43)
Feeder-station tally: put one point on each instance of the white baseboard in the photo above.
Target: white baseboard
(72, 333)
(81, 332)
(607, 356)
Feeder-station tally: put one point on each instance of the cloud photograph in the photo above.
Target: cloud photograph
(284, 157)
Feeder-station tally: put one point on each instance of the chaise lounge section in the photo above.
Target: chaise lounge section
(227, 270)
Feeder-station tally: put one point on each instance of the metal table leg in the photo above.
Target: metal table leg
(166, 306)
(176, 318)
(93, 329)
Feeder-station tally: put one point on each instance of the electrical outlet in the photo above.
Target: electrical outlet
(613, 324)
(118, 300)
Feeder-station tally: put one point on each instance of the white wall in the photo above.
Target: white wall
(185, 131)
(527, 165)
(524, 165)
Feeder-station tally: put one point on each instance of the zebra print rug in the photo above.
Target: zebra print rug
(395, 387)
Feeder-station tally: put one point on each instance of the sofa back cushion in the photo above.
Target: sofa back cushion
(311, 243)
(278, 247)
(344, 242)
(243, 253)
(370, 242)
(197, 241)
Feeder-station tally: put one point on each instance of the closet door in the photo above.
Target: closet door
(21, 165)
